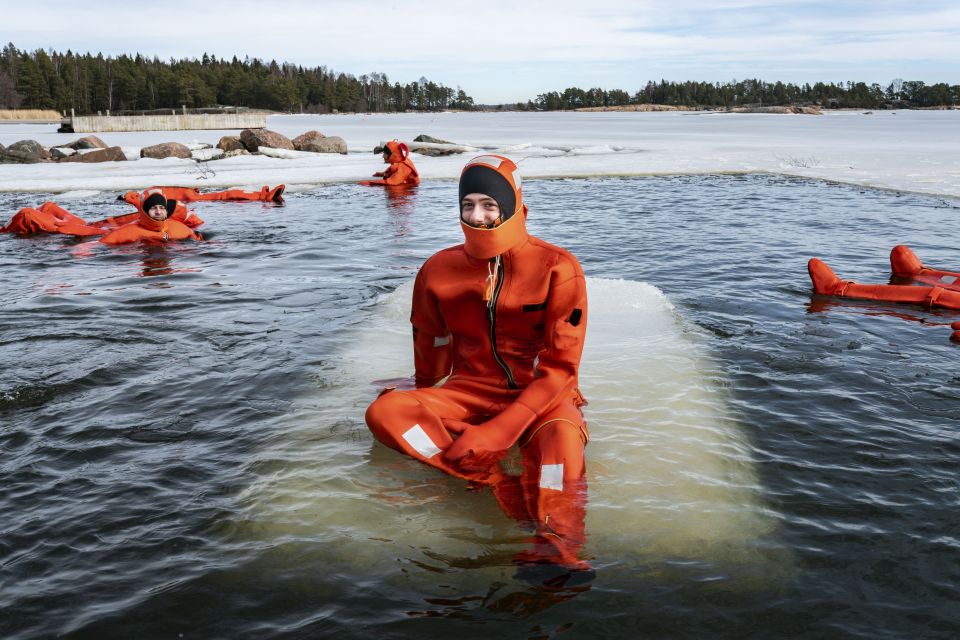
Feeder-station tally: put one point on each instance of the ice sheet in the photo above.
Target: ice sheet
(903, 150)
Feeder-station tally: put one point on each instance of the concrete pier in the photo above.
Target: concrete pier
(173, 122)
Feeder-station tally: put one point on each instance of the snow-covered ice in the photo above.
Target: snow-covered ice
(903, 150)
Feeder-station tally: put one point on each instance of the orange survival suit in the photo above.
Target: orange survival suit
(502, 317)
(189, 194)
(52, 218)
(148, 229)
(826, 282)
(401, 171)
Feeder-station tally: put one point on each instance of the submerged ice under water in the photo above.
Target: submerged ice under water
(185, 453)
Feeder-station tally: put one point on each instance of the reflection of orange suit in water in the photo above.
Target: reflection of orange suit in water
(504, 315)
(401, 171)
(150, 230)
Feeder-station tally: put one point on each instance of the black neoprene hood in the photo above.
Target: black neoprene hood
(485, 180)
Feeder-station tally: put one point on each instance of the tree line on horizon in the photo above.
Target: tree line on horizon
(90, 83)
(859, 95)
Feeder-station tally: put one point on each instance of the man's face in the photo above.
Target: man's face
(479, 210)
(157, 212)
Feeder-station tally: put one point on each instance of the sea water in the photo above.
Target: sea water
(184, 454)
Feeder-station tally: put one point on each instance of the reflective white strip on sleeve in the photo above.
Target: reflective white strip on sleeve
(551, 476)
(417, 438)
(441, 342)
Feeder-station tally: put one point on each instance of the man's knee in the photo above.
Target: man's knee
(389, 413)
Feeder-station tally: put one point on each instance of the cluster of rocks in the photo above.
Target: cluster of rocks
(253, 140)
(88, 149)
(93, 149)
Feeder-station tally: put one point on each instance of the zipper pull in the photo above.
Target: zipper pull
(491, 282)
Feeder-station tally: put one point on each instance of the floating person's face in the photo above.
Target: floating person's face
(479, 210)
(157, 212)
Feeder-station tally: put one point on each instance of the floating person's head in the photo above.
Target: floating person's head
(395, 151)
(155, 208)
(491, 196)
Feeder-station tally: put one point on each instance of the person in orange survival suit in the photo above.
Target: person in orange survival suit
(154, 223)
(502, 317)
(52, 218)
(401, 171)
(189, 194)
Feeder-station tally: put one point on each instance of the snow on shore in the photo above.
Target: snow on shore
(903, 150)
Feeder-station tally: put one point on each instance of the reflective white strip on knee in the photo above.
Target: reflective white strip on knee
(417, 438)
(551, 476)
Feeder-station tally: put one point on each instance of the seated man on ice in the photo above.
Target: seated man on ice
(401, 171)
(498, 329)
(154, 223)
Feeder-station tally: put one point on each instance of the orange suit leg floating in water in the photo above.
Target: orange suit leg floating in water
(905, 263)
(401, 172)
(188, 194)
(502, 318)
(826, 282)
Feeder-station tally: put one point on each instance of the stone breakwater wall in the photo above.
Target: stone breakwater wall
(172, 122)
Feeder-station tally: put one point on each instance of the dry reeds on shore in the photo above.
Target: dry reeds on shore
(28, 114)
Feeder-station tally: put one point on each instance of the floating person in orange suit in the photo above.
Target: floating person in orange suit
(52, 218)
(189, 194)
(498, 329)
(401, 172)
(155, 222)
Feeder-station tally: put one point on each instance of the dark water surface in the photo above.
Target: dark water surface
(143, 390)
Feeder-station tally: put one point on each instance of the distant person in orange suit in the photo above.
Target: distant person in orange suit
(153, 224)
(401, 171)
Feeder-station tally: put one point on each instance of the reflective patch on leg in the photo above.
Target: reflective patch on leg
(417, 438)
(551, 476)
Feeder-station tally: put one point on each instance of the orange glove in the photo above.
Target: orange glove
(481, 445)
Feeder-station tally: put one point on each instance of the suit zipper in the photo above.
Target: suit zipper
(492, 315)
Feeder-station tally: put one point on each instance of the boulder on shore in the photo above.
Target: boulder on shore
(425, 138)
(434, 147)
(110, 154)
(253, 139)
(325, 144)
(230, 143)
(8, 156)
(30, 148)
(87, 142)
(303, 138)
(166, 150)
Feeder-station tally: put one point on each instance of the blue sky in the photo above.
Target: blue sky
(505, 51)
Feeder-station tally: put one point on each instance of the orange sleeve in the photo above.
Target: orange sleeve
(565, 322)
(432, 342)
(176, 230)
(123, 235)
(396, 174)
